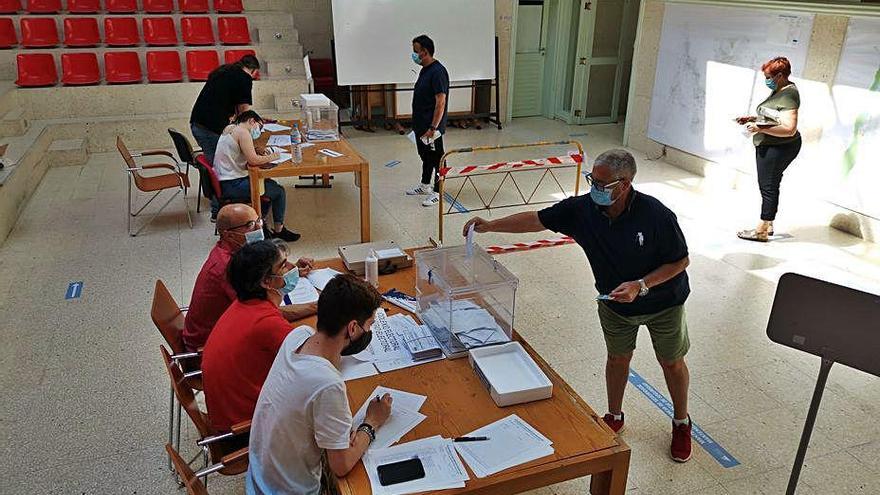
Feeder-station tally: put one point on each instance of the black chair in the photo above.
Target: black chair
(187, 155)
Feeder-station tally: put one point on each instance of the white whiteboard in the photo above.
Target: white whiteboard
(709, 72)
(373, 38)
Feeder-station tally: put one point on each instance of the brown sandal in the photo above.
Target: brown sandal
(753, 235)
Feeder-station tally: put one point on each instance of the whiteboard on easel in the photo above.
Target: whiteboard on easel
(373, 39)
(709, 72)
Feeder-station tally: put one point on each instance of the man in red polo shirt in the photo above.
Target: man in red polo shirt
(243, 344)
(212, 294)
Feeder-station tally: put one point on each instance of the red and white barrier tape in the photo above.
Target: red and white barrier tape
(553, 161)
(528, 246)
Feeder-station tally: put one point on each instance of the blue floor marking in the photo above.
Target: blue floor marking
(392, 163)
(711, 446)
(455, 204)
(579, 134)
(74, 290)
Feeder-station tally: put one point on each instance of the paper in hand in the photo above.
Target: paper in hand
(469, 242)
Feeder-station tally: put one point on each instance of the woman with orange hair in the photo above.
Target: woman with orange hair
(777, 141)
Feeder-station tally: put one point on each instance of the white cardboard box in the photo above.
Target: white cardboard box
(510, 374)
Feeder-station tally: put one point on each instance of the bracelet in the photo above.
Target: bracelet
(369, 430)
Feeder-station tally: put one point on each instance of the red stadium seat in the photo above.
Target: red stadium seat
(234, 30)
(8, 39)
(122, 6)
(38, 32)
(164, 66)
(10, 6)
(43, 6)
(159, 31)
(228, 6)
(121, 31)
(193, 6)
(83, 6)
(35, 70)
(78, 69)
(158, 6)
(197, 31)
(122, 67)
(200, 63)
(232, 56)
(81, 31)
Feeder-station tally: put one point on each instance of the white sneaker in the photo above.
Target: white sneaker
(421, 189)
(432, 200)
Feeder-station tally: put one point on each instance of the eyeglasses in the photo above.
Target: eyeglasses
(591, 182)
(250, 225)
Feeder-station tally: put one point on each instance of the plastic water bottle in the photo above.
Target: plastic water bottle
(296, 144)
(371, 269)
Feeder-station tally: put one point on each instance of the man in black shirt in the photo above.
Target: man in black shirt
(638, 256)
(226, 94)
(429, 109)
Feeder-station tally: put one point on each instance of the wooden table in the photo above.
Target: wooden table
(314, 164)
(458, 404)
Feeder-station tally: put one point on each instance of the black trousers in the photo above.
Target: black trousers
(772, 161)
(430, 160)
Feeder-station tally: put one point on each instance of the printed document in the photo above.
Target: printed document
(511, 442)
(443, 469)
(404, 417)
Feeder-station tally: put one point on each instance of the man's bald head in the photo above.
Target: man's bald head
(234, 216)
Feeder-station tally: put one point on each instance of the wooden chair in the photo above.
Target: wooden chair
(175, 179)
(215, 444)
(190, 479)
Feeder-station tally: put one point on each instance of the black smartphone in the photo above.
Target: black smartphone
(401, 471)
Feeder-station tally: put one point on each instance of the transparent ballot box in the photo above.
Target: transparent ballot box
(466, 301)
(320, 118)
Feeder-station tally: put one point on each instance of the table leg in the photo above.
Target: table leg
(612, 482)
(256, 181)
(365, 202)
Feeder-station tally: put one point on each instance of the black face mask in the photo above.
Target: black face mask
(358, 344)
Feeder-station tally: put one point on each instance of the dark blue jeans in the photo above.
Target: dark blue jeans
(208, 142)
(240, 190)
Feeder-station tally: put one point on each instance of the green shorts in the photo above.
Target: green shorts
(668, 330)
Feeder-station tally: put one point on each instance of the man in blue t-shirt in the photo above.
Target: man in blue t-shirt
(638, 255)
(429, 107)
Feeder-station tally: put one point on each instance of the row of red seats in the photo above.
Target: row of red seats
(77, 69)
(121, 6)
(41, 32)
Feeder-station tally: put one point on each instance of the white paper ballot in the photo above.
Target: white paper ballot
(412, 136)
(282, 157)
(319, 278)
(469, 242)
(443, 468)
(275, 127)
(511, 442)
(279, 140)
(404, 415)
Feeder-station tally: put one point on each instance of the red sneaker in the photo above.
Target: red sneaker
(681, 442)
(615, 424)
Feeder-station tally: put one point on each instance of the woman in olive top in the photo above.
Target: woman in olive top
(777, 141)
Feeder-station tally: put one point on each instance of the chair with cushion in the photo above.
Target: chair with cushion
(164, 66)
(159, 31)
(193, 6)
(121, 31)
(8, 38)
(38, 32)
(121, 6)
(10, 6)
(43, 6)
(122, 67)
(233, 30)
(190, 479)
(79, 69)
(36, 70)
(197, 31)
(199, 64)
(83, 6)
(228, 6)
(158, 6)
(81, 32)
(173, 179)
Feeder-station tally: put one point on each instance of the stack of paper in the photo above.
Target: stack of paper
(404, 417)
(303, 293)
(388, 349)
(421, 342)
(511, 442)
(472, 325)
(275, 127)
(279, 140)
(443, 469)
(319, 278)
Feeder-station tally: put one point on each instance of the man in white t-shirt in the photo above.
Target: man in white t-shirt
(303, 407)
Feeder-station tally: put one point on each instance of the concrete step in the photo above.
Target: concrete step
(67, 152)
(277, 35)
(13, 123)
(286, 69)
(251, 6)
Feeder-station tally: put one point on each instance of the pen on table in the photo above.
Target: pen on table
(470, 439)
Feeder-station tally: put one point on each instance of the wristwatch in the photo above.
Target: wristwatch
(643, 291)
(369, 430)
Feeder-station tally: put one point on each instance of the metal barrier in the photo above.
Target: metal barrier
(548, 165)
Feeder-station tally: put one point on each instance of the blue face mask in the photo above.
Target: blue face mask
(416, 58)
(771, 83)
(601, 196)
(254, 236)
(255, 133)
(291, 278)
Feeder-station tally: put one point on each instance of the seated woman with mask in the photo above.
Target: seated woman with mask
(235, 152)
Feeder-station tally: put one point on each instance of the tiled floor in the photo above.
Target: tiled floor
(85, 395)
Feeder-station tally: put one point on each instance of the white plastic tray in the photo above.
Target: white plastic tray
(510, 374)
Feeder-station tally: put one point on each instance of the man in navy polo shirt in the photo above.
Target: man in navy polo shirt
(429, 109)
(638, 255)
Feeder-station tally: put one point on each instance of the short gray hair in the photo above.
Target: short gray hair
(621, 163)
